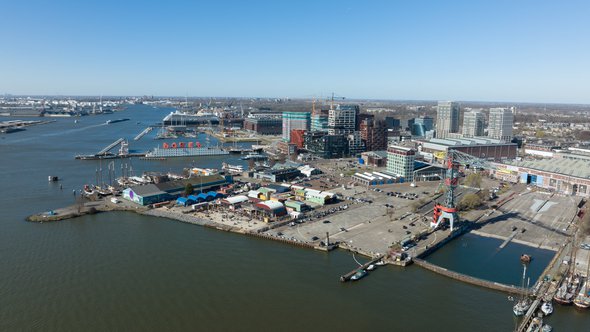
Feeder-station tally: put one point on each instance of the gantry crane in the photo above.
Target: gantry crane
(448, 209)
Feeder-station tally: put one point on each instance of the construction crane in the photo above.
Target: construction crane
(332, 100)
(447, 211)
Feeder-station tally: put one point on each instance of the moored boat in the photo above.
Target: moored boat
(358, 275)
(547, 308)
(521, 307)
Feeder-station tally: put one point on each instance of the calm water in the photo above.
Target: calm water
(122, 271)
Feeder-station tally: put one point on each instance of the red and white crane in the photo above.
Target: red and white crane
(447, 210)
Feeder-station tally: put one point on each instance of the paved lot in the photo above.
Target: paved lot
(545, 219)
(368, 227)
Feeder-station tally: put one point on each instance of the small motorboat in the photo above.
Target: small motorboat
(525, 259)
(380, 263)
(358, 275)
(547, 308)
(371, 267)
(521, 307)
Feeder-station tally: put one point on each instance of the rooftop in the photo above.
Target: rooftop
(576, 168)
(466, 141)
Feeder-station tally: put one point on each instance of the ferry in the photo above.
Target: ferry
(184, 150)
(186, 118)
(254, 156)
(116, 120)
(233, 169)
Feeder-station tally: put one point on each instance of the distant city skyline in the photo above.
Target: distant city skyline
(505, 51)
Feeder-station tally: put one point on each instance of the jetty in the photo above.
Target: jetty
(110, 146)
(346, 277)
(143, 133)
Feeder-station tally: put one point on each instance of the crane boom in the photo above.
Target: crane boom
(448, 210)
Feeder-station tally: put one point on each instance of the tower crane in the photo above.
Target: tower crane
(447, 210)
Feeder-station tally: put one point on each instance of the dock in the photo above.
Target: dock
(346, 277)
(469, 279)
(505, 243)
(143, 133)
(110, 146)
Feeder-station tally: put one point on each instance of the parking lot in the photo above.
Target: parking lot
(371, 221)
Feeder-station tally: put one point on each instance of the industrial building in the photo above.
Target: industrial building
(400, 161)
(375, 158)
(568, 176)
(295, 120)
(447, 118)
(271, 209)
(481, 147)
(473, 123)
(373, 178)
(146, 194)
(279, 172)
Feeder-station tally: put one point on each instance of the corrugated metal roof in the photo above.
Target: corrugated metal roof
(272, 205)
(576, 168)
(236, 199)
(147, 190)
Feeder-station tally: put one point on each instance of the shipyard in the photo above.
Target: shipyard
(387, 201)
(296, 166)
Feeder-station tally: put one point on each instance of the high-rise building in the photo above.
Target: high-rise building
(400, 161)
(392, 123)
(319, 119)
(326, 146)
(295, 120)
(473, 123)
(426, 121)
(356, 145)
(447, 118)
(500, 123)
(421, 125)
(373, 133)
(342, 120)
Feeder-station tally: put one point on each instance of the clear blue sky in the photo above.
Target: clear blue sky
(525, 50)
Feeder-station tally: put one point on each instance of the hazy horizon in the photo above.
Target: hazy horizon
(512, 52)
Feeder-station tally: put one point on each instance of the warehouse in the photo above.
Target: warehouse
(570, 177)
(146, 194)
(373, 179)
(481, 147)
(235, 201)
(272, 209)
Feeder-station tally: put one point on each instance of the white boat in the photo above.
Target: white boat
(547, 308)
(546, 328)
(380, 263)
(371, 267)
(521, 307)
(358, 275)
(234, 169)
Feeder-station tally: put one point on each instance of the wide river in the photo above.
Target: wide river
(127, 272)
